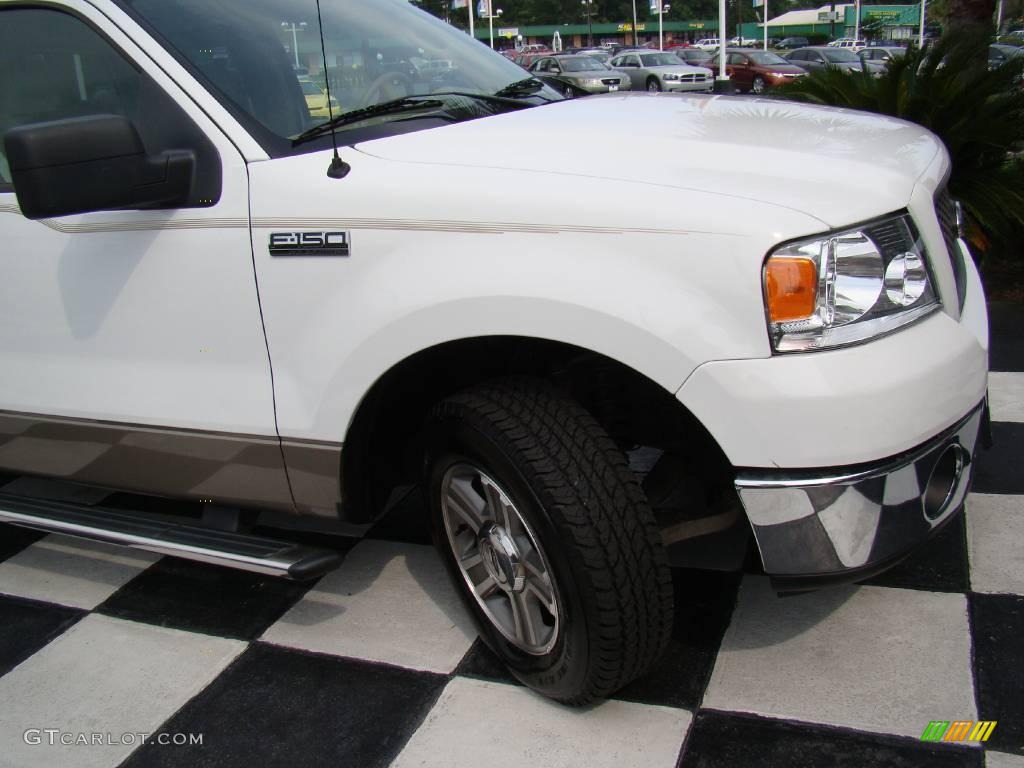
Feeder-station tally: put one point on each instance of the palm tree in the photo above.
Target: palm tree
(978, 114)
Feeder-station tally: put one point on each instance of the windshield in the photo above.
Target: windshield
(252, 53)
(659, 60)
(580, 64)
(766, 59)
(840, 56)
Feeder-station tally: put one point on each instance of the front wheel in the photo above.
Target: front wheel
(653, 85)
(759, 86)
(548, 537)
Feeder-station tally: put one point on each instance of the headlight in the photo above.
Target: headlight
(670, 76)
(847, 286)
(591, 81)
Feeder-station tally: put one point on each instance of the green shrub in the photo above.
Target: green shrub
(978, 113)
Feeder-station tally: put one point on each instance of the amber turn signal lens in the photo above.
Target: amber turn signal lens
(792, 288)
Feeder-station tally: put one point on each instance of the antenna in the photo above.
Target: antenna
(338, 169)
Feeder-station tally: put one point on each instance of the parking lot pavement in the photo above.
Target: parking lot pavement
(376, 664)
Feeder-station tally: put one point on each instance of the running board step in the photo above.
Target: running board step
(235, 550)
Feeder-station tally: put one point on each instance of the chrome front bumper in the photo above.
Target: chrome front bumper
(815, 527)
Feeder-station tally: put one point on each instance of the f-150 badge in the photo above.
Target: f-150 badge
(309, 244)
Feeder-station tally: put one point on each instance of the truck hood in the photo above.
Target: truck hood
(839, 166)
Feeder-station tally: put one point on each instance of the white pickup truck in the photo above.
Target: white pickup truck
(592, 332)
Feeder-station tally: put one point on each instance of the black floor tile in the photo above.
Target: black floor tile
(407, 521)
(938, 566)
(1006, 327)
(204, 598)
(276, 707)
(13, 539)
(26, 626)
(999, 470)
(704, 601)
(729, 740)
(997, 626)
(481, 662)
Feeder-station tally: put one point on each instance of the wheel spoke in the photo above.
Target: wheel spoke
(525, 631)
(496, 508)
(542, 591)
(471, 560)
(465, 503)
(485, 588)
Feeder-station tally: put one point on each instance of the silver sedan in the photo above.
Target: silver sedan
(659, 71)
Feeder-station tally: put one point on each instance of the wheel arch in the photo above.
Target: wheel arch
(384, 441)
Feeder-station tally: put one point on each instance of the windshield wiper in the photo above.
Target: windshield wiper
(404, 104)
(525, 87)
(411, 103)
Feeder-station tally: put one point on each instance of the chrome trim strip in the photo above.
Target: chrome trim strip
(799, 478)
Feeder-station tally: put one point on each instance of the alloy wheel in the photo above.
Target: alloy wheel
(500, 560)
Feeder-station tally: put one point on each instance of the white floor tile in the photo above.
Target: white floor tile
(995, 532)
(70, 571)
(1002, 760)
(478, 723)
(1006, 396)
(388, 602)
(872, 658)
(105, 676)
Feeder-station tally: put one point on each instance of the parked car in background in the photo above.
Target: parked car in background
(881, 54)
(662, 71)
(577, 75)
(757, 71)
(877, 59)
(743, 42)
(792, 43)
(848, 42)
(316, 99)
(600, 54)
(820, 56)
(707, 44)
(526, 59)
(1000, 54)
(695, 56)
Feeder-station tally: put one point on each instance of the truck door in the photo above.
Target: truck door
(131, 343)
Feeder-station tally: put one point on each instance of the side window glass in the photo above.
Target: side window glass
(54, 66)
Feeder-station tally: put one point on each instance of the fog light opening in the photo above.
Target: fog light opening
(943, 481)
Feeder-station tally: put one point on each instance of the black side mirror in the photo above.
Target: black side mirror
(94, 163)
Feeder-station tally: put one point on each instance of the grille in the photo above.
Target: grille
(610, 81)
(945, 209)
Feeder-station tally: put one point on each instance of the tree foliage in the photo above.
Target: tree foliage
(978, 114)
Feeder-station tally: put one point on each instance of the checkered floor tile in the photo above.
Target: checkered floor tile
(377, 665)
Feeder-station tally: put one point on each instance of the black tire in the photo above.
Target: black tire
(756, 88)
(653, 85)
(574, 489)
